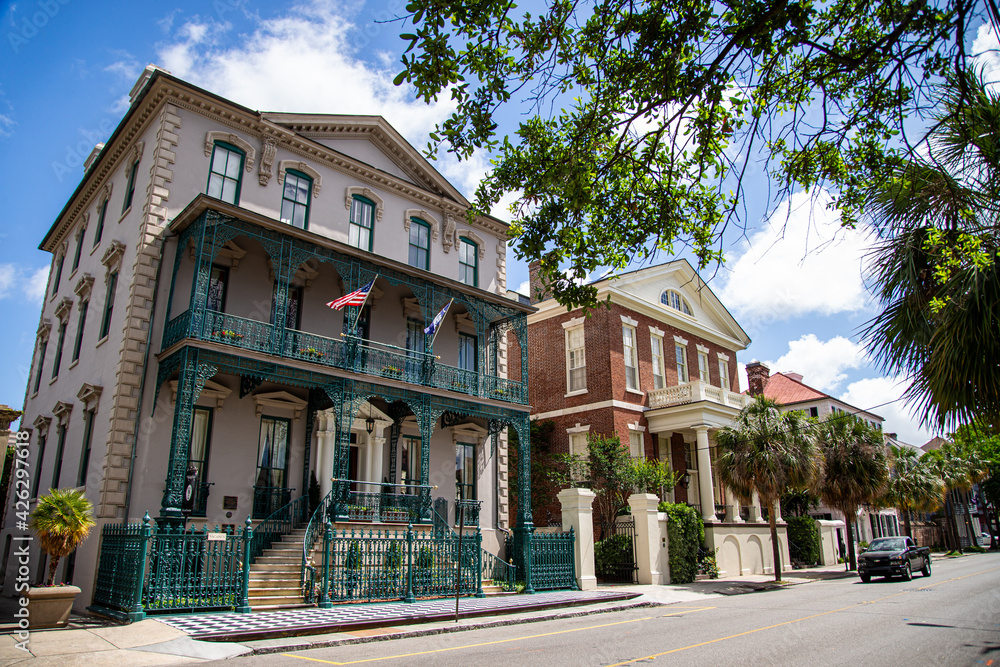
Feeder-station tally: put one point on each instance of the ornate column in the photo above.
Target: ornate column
(706, 491)
(325, 440)
(525, 527)
(378, 454)
(190, 382)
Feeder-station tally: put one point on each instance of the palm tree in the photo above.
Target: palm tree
(911, 484)
(935, 266)
(944, 464)
(767, 451)
(62, 520)
(855, 469)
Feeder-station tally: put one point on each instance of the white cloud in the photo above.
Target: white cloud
(17, 280)
(986, 51)
(303, 61)
(6, 125)
(800, 262)
(875, 394)
(524, 288)
(821, 363)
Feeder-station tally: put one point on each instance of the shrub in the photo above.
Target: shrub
(708, 564)
(610, 552)
(685, 532)
(973, 549)
(803, 539)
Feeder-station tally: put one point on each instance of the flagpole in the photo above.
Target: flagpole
(362, 306)
(438, 328)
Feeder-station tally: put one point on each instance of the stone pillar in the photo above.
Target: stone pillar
(577, 513)
(777, 511)
(706, 491)
(648, 546)
(732, 508)
(755, 514)
(378, 455)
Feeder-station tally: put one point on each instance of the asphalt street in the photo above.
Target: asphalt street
(951, 618)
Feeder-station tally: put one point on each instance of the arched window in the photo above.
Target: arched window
(676, 301)
(468, 262)
(362, 223)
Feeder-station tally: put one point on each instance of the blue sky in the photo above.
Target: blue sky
(66, 67)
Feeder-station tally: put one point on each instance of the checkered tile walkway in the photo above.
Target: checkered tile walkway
(232, 626)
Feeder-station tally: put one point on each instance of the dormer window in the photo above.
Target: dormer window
(674, 300)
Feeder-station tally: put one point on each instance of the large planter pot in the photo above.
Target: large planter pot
(49, 607)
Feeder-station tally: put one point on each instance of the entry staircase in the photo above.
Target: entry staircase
(276, 574)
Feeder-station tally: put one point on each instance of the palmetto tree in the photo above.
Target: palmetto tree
(767, 451)
(935, 268)
(911, 484)
(61, 520)
(855, 469)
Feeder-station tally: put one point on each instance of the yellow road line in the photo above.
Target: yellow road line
(798, 620)
(458, 648)
(690, 610)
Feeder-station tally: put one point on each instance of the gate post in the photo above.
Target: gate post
(649, 550)
(577, 514)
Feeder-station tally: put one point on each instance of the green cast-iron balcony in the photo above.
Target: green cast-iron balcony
(347, 353)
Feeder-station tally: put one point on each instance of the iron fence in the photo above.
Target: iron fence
(614, 553)
(552, 561)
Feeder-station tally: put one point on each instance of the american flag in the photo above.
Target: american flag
(355, 298)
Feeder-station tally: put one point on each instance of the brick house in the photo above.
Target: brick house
(658, 369)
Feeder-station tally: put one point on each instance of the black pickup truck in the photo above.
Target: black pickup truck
(893, 557)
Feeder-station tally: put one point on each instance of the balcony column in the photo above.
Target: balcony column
(756, 516)
(376, 455)
(706, 491)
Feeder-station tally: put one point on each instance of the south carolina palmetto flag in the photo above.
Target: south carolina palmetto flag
(435, 324)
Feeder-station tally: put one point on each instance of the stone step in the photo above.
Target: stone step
(275, 567)
(274, 601)
(277, 560)
(276, 607)
(293, 591)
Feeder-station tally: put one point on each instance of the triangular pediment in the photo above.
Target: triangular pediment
(701, 308)
(373, 141)
(279, 400)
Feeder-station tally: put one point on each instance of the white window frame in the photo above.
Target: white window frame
(680, 352)
(630, 355)
(724, 373)
(659, 370)
(704, 374)
(576, 357)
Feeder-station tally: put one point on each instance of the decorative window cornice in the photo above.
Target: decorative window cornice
(464, 324)
(105, 194)
(112, 257)
(279, 400)
(90, 396)
(298, 165)
(83, 226)
(468, 433)
(367, 194)
(411, 308)
(629, 321)
(63, 309)
(62, 411)
(83, 287)
(475, 238)
(41, 424)
(213, 391)
(656, 331)
(702, 348)
(573, 323)
(578, 429)
(682, 341)
(410, 213)
(235, 140)
(136, 154)
(723, 357)
(230, 251)
(44, 329)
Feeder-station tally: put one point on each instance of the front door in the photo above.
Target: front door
(270, 490)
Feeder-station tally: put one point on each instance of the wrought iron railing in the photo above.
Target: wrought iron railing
(279, 523)
(400, 565)
(348, 353)
(200, 505)
(391, 503)
(269, 499)
(552, 561)
(469, 509)
(148, 568)
(497, 571)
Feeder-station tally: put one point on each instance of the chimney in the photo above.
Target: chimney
(536, 292)
(757, 377)
(795, 376)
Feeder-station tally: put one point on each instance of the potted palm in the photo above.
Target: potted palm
(61, 520)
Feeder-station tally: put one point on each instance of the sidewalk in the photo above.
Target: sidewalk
(181, 639)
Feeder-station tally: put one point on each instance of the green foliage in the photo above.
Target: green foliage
(424, 559)
(546, 467)
(708, 563)
(973, 549)
(803, 539)
(611, 551)
(393, 557)
(798, 502)
(685, 533)
(61, 520)
(641, 118)
(934, 269)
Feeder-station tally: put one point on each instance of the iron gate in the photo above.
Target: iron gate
(614, 553)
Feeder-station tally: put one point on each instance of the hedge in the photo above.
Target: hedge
(685, 532)
(803, 539)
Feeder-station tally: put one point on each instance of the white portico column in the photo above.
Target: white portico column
(325, 439)
(732, 508)
(756, 516)
(705, 491)
(377, 455)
